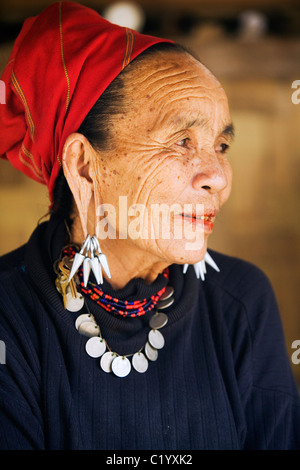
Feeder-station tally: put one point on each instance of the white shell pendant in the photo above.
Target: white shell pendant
(86, 325)
(156, 339)
(121, 366)
(83, 318)
(139, 362)
(168, 293)
(158, 320)
(106, 361)
(95, 346)
(89, 329)
(151, 353)
(161, 304)
(74, 304)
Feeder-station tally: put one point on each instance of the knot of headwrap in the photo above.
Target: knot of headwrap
(61, 63)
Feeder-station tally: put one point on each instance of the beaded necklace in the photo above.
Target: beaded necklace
(125, 308)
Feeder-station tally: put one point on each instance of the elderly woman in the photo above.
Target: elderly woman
(121, 330)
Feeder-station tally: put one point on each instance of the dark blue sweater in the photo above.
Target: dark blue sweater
(222, 381)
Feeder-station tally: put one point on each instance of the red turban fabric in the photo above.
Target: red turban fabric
(61, 63)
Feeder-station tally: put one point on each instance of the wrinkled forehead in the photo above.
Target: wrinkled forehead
(169, 72)
(173, 87)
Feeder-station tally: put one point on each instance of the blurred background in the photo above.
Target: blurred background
(253, 47)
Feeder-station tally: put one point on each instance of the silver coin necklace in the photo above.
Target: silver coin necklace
(112, 362)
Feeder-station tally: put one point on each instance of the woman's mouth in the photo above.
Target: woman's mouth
(206, 221)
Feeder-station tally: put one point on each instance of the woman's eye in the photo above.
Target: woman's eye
(184, 142)
(224, 148)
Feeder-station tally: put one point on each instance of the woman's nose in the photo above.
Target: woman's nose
(210, 175)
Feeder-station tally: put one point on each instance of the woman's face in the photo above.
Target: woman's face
(167, 159)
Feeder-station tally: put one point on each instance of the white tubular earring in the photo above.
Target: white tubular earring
(101, 256)
(94, 262)
(92, 258)
(80, 257)
(87, 263)
(200, 268)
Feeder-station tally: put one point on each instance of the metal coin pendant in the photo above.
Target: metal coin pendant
(74, 304)
(151, 353)
(168, 292)
(161, 304)
(83, 318)
(158, 320)
(139, 362)
(89, 328)
(95, 346)
(156, 339)
(121, 366)
(106, 361)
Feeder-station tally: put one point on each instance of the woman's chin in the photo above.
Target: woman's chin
(184, 251)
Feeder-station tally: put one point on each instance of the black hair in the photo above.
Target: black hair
(95, 127)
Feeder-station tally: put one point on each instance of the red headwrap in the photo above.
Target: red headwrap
(61, 63)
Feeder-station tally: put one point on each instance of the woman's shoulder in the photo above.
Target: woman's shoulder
(12, 260)
(233, 267)
(16, 291)
(239, 278)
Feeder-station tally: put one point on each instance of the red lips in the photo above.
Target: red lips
(206, 220)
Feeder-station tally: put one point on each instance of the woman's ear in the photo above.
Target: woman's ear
(76, 161)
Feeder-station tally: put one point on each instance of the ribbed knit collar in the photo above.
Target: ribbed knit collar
(124, 334)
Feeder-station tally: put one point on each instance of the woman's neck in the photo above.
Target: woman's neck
(126, 261)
